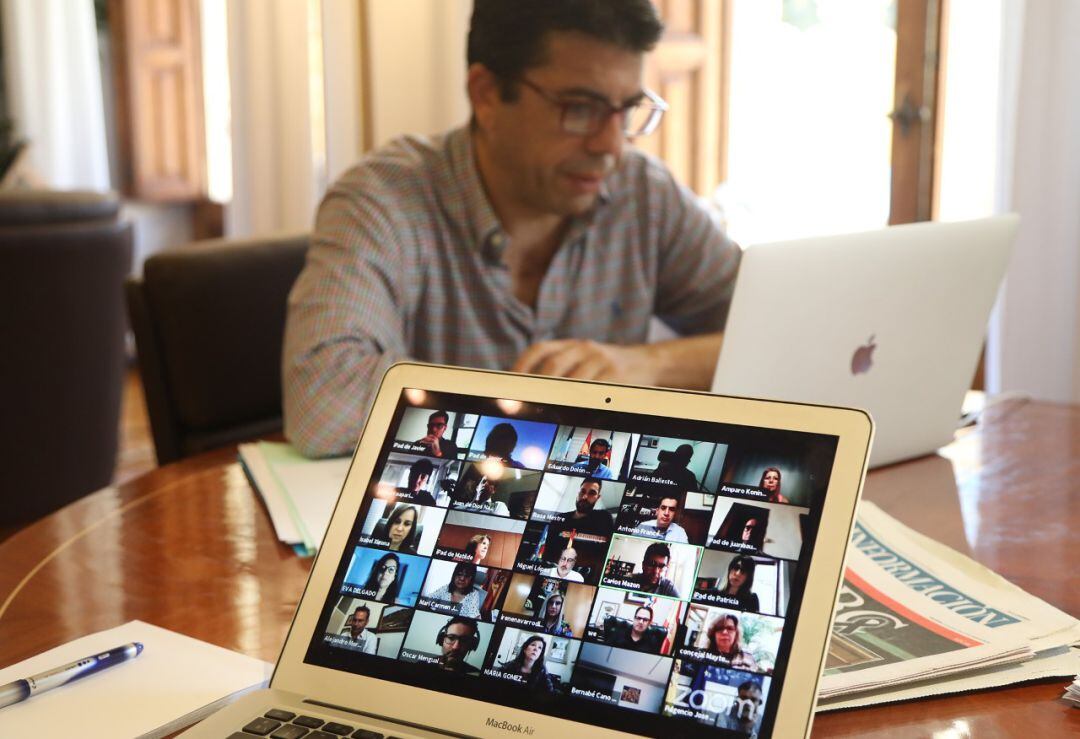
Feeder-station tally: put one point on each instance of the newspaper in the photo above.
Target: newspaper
(1072, 693)
(916, 618)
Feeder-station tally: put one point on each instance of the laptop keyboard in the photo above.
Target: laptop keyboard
(278, 723)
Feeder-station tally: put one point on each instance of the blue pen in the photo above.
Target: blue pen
(20, 690)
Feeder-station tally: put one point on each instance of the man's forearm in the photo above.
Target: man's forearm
(688, 363)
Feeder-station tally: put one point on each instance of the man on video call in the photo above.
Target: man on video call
(532, 239)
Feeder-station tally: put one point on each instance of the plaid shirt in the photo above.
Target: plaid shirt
(406, 262)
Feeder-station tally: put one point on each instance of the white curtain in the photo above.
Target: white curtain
(1035, 339)
(53, 79)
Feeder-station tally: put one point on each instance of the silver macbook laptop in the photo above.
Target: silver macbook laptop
(892, 321)
(523, 556)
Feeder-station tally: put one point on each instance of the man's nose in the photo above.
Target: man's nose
(609, 139)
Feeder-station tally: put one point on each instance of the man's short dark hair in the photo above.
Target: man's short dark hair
(420, 468)
(439, 414)
(644, 608)
(591, 480)
(509, 36)
(601, 442)
(655, 549)
(365, 609)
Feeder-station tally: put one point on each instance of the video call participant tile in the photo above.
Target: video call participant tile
(553, 550)
(432, 432)
(463, 589)
(588, 504)
(410, 478)
(517, 444)
(456, 644)
(649, 566)
(547, 605)
(352, 625)
(635, 621)
(385, 577)
(747, 582)
(774, 529)
(717, 696)
(590, 452)
(727, 638)
(775, 476)
(666, 514)
(540, 663)
(490, 541)
(402, 527)
(620, 677)
(684, 464)
(491, 487)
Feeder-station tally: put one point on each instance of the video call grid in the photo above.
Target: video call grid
(562, 468)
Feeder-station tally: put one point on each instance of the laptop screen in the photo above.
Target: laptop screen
(637, 572)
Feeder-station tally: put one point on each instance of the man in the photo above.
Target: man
(637, 637)
(460, 636)
(598, 452)
(674, 466)
(664, 527)
(434, 441)
(653, 566)
(419, 473)
(584, 520)
(533, 239)
(743, 714)
(565, 568)
(356, 631)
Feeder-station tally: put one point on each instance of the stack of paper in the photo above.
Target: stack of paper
(1072, 693)
(299, 493)
(175, 682)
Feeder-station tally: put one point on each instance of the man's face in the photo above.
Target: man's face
(436, 426)
(597, 454)
(454, 646)
(587, 496)
(359, 622)
(567, 561)
(665, 513)
(749, 700)
(653, 568)
(641, 621)
(552, 172)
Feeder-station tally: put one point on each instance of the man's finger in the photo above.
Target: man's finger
(536, 354)
(562, 363)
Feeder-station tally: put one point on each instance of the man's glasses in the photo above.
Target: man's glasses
(582, 117)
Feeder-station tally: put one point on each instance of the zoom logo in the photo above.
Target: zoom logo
(701, 700)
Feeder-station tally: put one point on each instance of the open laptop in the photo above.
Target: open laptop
(891, 320)
(594, 559)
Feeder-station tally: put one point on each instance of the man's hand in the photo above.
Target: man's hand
(686, 363)
(431, 441)
(583, 359)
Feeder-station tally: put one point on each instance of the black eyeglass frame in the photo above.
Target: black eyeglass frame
(600, 111)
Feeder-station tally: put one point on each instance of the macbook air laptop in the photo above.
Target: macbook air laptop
(892, 321)
(524, 556)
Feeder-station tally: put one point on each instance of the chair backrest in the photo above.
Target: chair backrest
(209, 320)
(63, 261)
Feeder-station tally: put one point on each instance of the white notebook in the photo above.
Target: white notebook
(175, 682)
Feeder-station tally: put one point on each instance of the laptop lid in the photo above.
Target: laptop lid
(891, 320)
(582, 557)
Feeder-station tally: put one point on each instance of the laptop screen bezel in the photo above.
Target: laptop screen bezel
(456, 714)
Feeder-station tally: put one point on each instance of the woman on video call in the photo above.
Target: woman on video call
(740, 583)
(529, 664)
(462, 591)
(725, 639)
(400, 529)
(551, 615)
(384, 580)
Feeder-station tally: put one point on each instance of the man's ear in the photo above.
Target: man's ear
(483, 89)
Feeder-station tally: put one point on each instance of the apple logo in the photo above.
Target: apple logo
(863, 358)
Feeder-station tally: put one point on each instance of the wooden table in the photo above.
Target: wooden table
(190, 548)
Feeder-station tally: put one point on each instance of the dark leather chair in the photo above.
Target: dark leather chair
(63, 260)
(209, 320)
